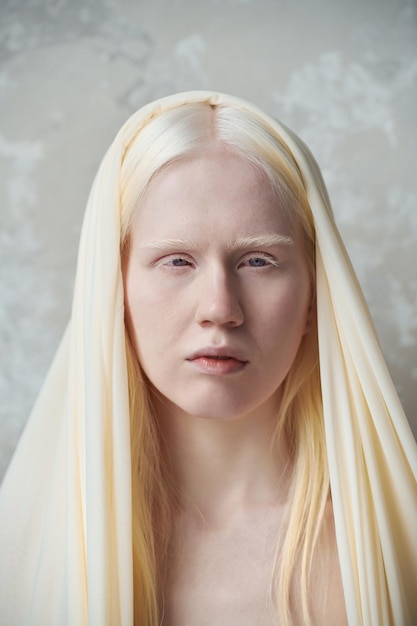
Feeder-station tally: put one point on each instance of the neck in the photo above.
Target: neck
(225, 468)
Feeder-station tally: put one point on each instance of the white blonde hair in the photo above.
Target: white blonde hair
(172, 135)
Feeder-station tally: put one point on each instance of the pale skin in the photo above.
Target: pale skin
(217, 302)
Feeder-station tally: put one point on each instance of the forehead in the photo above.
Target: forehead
(217, 191)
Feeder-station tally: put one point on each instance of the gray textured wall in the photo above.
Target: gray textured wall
(342, 73)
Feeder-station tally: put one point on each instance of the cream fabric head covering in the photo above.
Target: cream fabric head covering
(65, 504)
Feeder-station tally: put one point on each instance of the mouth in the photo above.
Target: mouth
(218, 361)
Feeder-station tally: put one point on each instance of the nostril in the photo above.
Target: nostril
(219, 301)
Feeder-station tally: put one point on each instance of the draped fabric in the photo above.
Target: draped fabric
(65, 503)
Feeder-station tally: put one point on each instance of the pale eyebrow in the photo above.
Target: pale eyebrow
(261, 241)
(167, 244)
(241, 243)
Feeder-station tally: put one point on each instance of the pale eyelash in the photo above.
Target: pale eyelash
(168, 261)
(270, 261)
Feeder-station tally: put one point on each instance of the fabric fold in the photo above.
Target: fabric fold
(65, 503)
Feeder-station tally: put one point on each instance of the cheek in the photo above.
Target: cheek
(141, 318)
(150, 322)
(283, 334)
(138, 310)
(289, 308)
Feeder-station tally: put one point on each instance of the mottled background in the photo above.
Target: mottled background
(342, 73)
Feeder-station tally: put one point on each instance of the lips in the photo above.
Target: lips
(218, 361)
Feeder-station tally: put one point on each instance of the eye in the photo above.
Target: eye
(179, 262)
(259, 261)
(176, 262)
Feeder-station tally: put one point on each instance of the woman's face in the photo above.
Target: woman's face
(217, 290)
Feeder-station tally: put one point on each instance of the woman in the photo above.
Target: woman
(218, 439)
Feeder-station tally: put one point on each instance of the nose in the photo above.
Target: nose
(218, 302)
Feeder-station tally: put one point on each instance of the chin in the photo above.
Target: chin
(213, 407)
